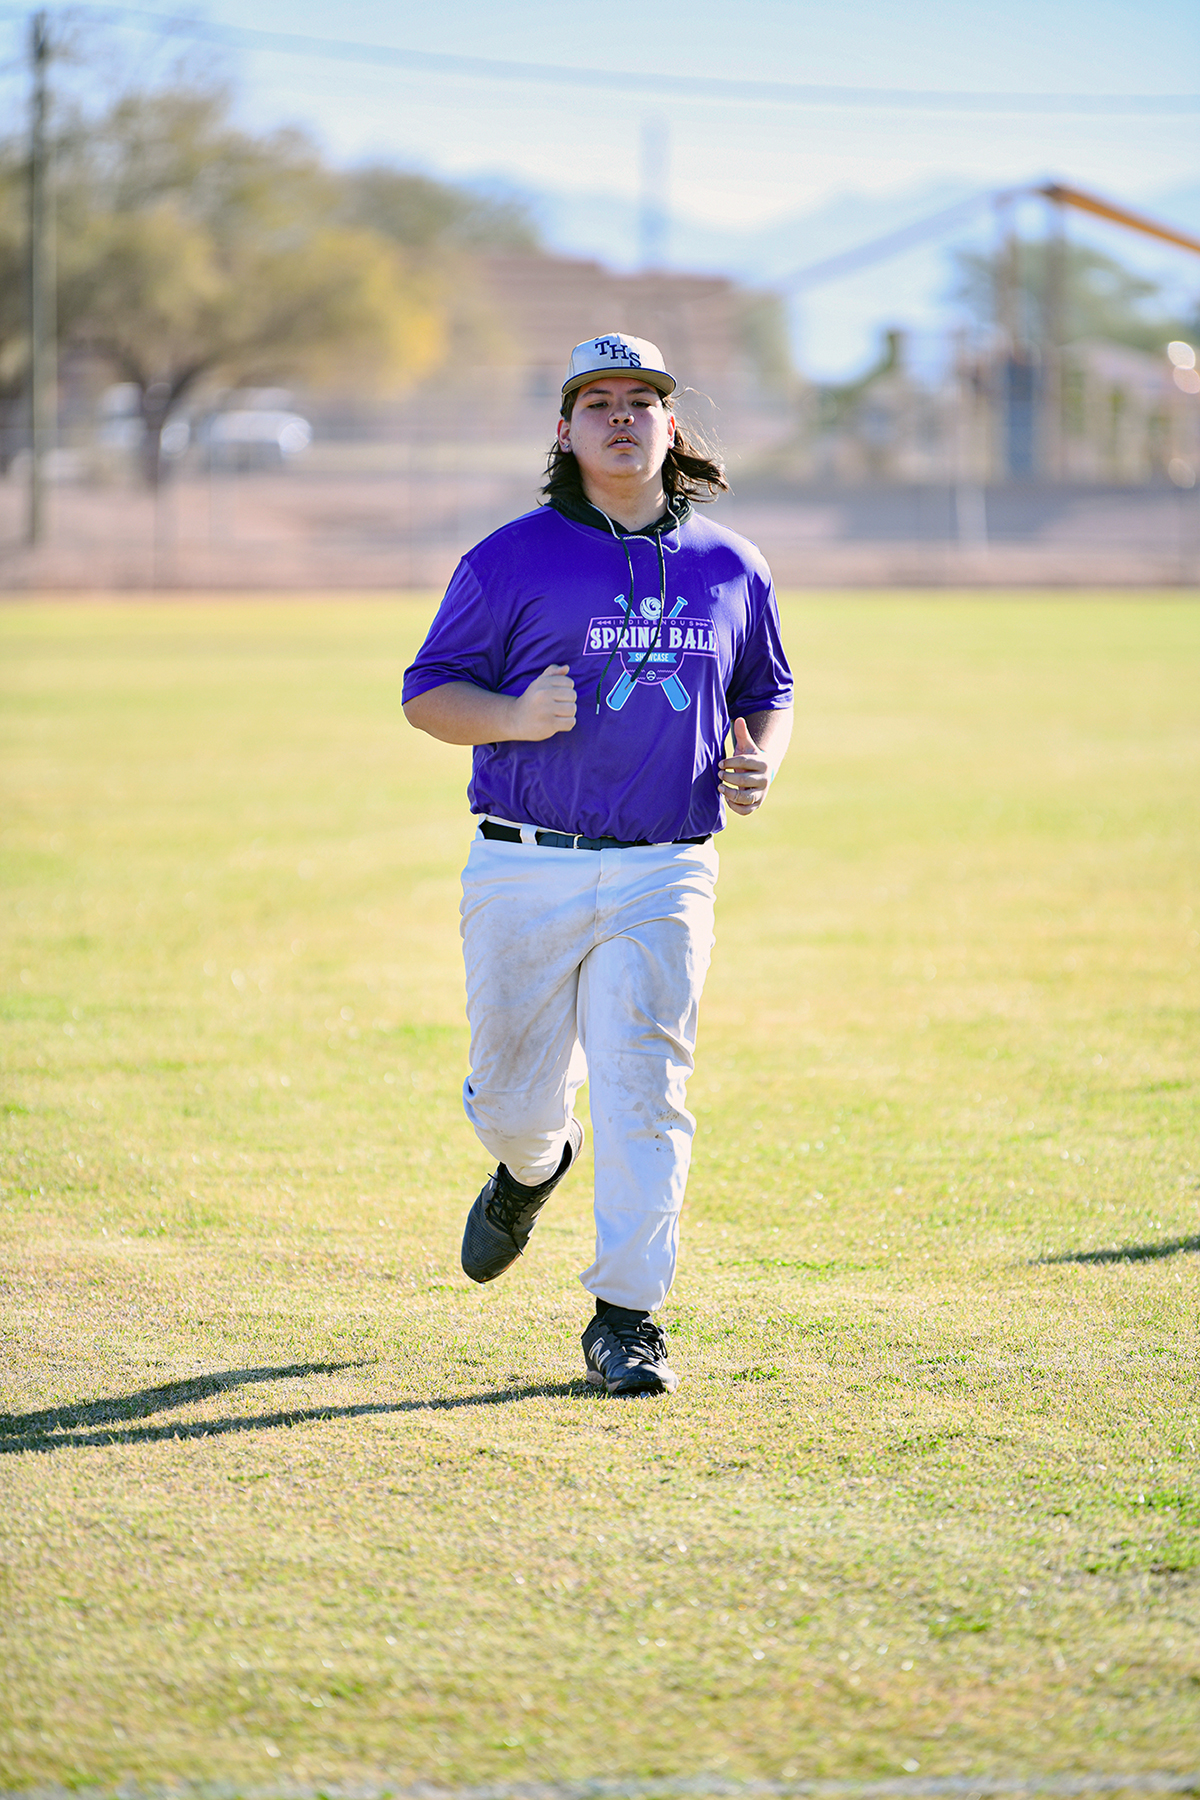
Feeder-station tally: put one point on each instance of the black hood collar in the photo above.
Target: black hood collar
(581, 512)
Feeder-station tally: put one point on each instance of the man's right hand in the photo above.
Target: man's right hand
(547, 705)
(458, 712)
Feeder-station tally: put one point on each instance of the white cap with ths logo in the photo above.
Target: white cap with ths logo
(616, 353)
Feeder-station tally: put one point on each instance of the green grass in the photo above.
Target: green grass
(286, 1501)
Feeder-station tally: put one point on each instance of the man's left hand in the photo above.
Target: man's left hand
(745, 774)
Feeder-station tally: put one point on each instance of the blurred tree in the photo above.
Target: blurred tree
(190, 250)
(1100, 298)
(426, 215)
(447, 228)
(763, 332)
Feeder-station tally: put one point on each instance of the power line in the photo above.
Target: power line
(699, 87)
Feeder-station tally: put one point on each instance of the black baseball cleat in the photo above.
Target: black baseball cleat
(626, 1353)
(505, 1212)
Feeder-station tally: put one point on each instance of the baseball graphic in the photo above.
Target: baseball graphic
(650, 653)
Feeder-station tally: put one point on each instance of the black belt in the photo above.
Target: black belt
(565, 840)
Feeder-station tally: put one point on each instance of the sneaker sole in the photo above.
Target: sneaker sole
(658, 1386)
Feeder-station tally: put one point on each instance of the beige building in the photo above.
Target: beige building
(725, 344)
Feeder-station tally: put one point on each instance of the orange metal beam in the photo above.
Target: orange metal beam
(1104, 209)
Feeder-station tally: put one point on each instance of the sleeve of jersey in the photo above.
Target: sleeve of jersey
(462, 644)
(762, 677)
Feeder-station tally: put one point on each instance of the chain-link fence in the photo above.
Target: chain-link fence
(390, 499)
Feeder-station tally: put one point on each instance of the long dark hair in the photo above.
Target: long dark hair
(691, 466)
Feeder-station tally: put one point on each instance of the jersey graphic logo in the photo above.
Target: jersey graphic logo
(618, 351)
(650, 649)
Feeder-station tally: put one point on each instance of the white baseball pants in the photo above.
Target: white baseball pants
(588, 964)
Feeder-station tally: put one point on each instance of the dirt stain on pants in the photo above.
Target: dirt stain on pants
(589, 965)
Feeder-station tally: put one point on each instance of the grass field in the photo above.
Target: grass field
(287, 1502)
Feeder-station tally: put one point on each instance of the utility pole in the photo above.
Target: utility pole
(1008, 276)
(1019, 388)
(1053, 334)
(655, 180)
(42, 383)
(1007, 310)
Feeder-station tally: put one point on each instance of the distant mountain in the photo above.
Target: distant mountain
(607, 227)
(836, 327)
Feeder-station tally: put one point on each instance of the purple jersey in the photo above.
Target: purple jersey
(658, 680)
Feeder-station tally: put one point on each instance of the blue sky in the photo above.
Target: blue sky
(735, 165)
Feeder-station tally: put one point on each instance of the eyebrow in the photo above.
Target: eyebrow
(598, 390)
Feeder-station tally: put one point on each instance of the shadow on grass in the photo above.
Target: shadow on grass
(156, 1399)
(1127, 1252)
(57, 1427)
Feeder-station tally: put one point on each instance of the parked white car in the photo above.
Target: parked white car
(262, 432)
(254, 438)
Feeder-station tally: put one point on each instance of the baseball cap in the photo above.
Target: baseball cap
(616, 353)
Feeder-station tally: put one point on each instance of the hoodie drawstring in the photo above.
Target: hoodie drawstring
(656, 640)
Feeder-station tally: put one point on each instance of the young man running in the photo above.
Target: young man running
(597, 653)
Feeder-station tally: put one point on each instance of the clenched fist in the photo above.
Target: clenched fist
(547, 705)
